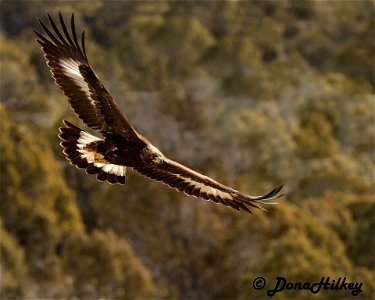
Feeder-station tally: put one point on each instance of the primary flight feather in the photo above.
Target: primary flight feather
(120, 145)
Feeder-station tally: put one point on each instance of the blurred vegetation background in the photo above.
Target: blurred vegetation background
(252, 93)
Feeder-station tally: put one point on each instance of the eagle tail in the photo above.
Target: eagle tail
(79, 149)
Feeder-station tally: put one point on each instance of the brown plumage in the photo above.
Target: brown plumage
(120, 145)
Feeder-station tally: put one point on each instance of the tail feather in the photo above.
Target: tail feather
(73, 140)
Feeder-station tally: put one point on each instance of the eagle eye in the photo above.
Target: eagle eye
(157, 159)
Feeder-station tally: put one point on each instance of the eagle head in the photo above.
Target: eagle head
(152, 155)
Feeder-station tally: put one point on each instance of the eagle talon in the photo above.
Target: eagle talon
(99, 158)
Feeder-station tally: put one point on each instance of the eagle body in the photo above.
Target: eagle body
(120, 151)
(113, 152)
(116, 144)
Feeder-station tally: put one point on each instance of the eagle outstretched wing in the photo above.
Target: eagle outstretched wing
(192, 183)
(90, 100)
(71, 70)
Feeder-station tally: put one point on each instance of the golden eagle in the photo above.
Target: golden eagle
(120, 145)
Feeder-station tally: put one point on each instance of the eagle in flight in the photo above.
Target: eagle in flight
(120, 145)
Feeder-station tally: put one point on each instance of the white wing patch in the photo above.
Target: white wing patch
(87, 138)
(71, 69)
(208, 190)
(96, 158)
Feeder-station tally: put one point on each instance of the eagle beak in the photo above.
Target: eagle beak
(158, 161)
